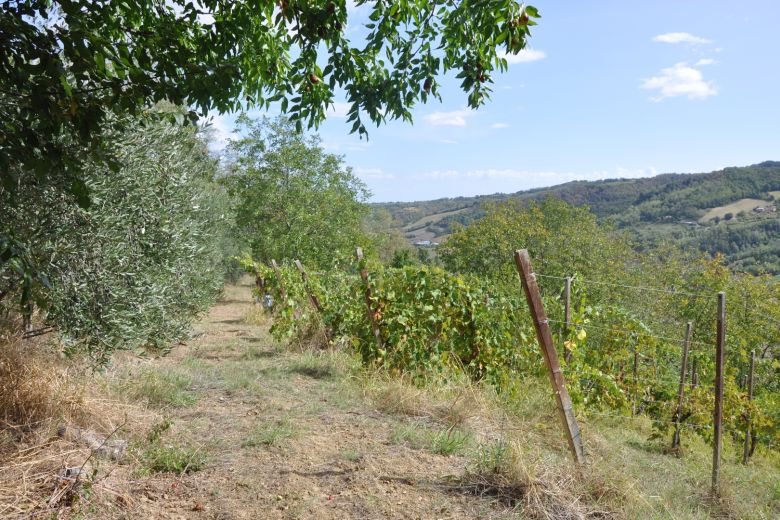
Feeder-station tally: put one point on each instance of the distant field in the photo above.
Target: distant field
(430, 219)
(775, 194)
(420, 235)
(735, 207)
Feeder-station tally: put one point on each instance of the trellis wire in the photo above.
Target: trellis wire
(672, 423)
(630, 379)
(625, 286)
(624, 331)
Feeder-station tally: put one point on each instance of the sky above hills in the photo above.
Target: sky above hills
(606, 89)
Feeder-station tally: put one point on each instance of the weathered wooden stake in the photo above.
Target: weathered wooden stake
(681, 389)
(567, 316)
(305, 277)
(282, 292)
(746, 451)
(720, 347)
(260, 285)
(369, 307)
(315, 302)
(544, 336)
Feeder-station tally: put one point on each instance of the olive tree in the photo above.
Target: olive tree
(134, 268)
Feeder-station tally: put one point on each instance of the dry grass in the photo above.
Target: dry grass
(499, 470)
(43, 473)
(32, 392)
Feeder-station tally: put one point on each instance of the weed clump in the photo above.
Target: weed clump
(540, 490)
(160, 388)
(159, 457)
(274, 433)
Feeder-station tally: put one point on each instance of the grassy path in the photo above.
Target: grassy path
(232, 426)
(289, 435)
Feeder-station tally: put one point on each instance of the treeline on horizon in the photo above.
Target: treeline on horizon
(655, 210)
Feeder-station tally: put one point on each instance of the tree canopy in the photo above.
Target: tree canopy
(293, 200)
(66, 64)
(562, 239)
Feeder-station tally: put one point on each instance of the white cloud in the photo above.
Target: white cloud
(680, 37)
(339, 110)
(705, 61)
(635, 173)
(373, 174)
(499, 125)
(454, 118)
(680, 80)
(447, 141)
(217, 130)
(524, 56)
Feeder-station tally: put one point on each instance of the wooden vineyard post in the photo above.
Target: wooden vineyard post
(567, 316)
(544, 336)
(717, 438)
(282, 292)
(312, 297)
(681, 389)
(369, 307)
(305, 277)
(748, 432)
(260, 285)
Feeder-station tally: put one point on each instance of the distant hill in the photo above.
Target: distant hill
(734, 211)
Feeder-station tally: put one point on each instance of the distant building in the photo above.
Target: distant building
(423, 243)
(759, 209)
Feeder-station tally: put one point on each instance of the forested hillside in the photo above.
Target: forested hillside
(713, 212)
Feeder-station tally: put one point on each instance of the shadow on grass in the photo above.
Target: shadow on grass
(254, 353)
(315, 372)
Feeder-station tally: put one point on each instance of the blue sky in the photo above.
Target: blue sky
(607, 89)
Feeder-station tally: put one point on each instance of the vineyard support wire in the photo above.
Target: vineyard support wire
(636, 287)
(631, 332)
(735, 431)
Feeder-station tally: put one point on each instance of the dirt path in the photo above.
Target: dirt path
(285, 435)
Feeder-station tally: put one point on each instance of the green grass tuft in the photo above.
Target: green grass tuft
(160, 388)
(158, 458)
(274, 433)
(449, 441)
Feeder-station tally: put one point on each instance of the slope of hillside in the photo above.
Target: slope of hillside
(712, 212)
